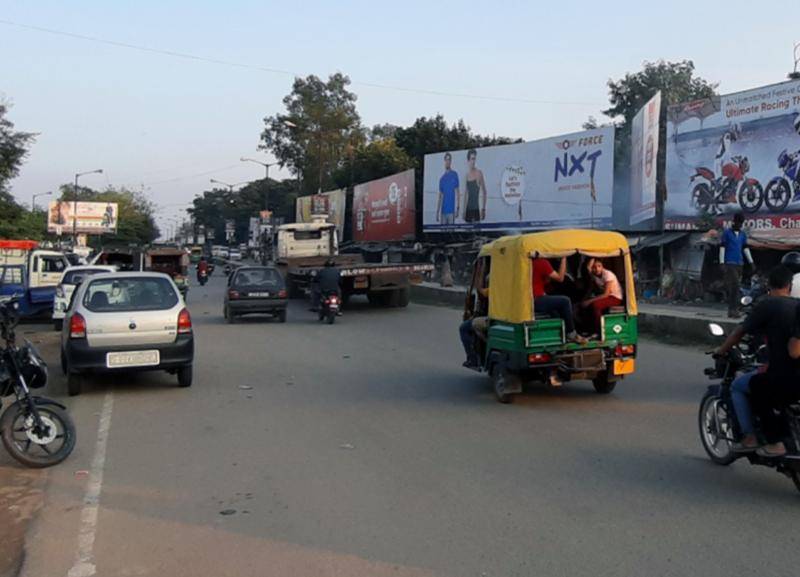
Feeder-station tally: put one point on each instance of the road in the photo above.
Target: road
(364, 448)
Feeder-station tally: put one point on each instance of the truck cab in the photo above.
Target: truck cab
(307, 239)
(30, 272)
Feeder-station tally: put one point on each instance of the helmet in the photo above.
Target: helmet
(791, 260)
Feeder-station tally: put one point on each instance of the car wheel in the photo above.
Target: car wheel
(282, 316)
(229, 316)
(63, 363)
(185, 376)
(74, 383)
(58, 324)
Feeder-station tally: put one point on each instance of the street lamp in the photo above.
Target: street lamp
(35, 196)
(266, 166)
(230, 186)
(75, 204)
(794, 74)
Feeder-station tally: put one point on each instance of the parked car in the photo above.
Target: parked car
(71, 278)
(254, 290)
(127, 321)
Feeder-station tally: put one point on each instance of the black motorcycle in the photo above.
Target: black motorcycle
(36, 431)
(329, 307)
(719, 427)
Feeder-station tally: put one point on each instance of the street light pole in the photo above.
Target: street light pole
(266, 166)
(35, 196)
(75, 204)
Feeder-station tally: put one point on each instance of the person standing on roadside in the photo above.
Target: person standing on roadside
(733, 251)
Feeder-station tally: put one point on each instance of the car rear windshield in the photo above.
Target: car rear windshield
(130, 294)
(258, 277)
(78, 276)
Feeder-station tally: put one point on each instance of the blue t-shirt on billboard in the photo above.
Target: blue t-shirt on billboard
(447, 186)
(734, 244)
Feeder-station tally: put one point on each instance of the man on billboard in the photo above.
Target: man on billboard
(475, 210)
(449, 199)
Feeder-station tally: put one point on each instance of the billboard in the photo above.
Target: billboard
(644, 155)
(383, 209)
(85, 217)
(737, 152)
(550, 183)
(331, 203)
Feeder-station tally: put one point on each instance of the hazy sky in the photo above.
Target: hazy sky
(167, 123)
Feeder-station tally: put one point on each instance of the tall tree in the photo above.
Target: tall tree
(376, 159)
(320, 122)
(14, 146)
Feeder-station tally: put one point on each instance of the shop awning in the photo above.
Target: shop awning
(658, 240)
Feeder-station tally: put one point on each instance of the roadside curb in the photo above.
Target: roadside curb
(682, 325)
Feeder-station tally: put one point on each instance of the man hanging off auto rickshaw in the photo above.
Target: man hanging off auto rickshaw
(610, 295)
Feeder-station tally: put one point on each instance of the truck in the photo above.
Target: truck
(125, 258)
(31, 273)
(303, 249)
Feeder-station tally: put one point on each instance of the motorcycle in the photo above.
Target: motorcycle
(714, 191)
(202, 277)
(36, 431)
(783, 189)
(719, 427)
(329, 307)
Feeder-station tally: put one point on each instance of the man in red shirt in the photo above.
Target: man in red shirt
(544, 303)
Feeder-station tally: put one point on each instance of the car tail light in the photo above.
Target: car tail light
(184, 322)
(282, 294)
(625, 350)
(77, 326)
(539, 358)
(60, 291)
(233, 295)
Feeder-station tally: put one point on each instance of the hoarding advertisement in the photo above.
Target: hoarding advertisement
(644, 152)
(739, 152)
(330, 203)
(86, 217)
(550, 183)
(383, 209)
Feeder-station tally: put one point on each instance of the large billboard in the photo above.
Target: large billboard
(550, 183)
(738, 152)
(644, 155)
(330, 203)
(383, 209)
(65, 216)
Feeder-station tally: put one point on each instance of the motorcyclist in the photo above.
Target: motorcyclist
(775, 318)
(325, 282)
(202, 268)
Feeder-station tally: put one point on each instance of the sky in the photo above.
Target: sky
(166, 124)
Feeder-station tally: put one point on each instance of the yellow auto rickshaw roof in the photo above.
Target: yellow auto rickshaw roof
(510, 296)
(558, 243)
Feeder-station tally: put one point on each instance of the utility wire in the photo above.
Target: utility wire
(272, 70)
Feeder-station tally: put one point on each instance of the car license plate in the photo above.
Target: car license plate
(624, 366)
(361, 282)
(132, 359)
(259, 295)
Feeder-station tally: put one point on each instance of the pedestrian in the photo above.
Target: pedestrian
(733, 251)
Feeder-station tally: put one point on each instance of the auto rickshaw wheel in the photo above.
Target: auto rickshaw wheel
(603, 383)
(502, 381)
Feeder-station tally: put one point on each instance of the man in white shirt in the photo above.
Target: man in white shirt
(610, 292)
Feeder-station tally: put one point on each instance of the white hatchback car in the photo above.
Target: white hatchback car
(127, 321)
(71, 278)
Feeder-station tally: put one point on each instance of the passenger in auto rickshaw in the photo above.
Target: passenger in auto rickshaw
(475, 320)
(547, 304)
(610, 292)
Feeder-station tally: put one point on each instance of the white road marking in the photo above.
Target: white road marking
(84, 559)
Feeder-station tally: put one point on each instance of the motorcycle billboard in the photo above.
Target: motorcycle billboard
(543, 184)
(66, 217)
(383, 209)
(644, 154)
(330, 203)
(731, 153)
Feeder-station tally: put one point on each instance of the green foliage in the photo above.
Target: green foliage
(378, 158)
(13, 150)
(321, 121)
(136, 223)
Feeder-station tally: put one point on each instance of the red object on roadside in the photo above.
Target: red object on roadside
(19, 244)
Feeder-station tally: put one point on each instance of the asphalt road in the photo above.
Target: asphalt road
(364, 448)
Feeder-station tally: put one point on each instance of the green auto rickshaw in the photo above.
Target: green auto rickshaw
(514, 346)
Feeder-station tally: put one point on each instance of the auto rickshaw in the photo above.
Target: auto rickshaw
(518, 346)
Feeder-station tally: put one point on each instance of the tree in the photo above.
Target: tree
(14, 147)
(378, 158)
(675, 80)
(136, 222)
(321, 121)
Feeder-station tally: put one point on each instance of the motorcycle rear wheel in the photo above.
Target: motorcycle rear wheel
(778, 195)
(703, 198)
(711, 414)
(32, 449)
(751, 195)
